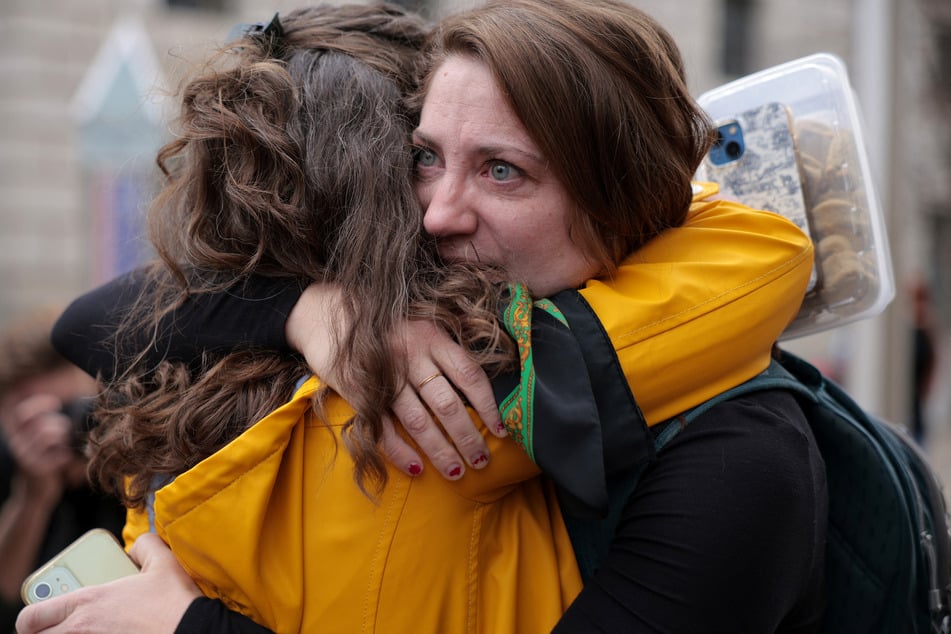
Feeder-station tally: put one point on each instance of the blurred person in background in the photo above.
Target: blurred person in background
(45, 498)
(924, 355)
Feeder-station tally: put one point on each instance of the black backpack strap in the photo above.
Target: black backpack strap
(774, 377)
(591, 538)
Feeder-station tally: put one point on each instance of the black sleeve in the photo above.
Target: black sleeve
(724, 533)
(210, 616)
(250, 314)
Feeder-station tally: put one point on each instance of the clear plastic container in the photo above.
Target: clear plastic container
(853, 263)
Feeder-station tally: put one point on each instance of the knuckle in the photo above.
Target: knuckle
(393, 449)
(392, 452)
(442, 458)
(81, 622)
(415, 422)
(468, 372)
(470, 439)
(445, 404)
(476, 454)
(488, 410)
(88, 595)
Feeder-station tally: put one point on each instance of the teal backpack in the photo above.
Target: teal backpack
(888, 553)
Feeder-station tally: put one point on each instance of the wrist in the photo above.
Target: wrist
(315, 326)
(316, 308)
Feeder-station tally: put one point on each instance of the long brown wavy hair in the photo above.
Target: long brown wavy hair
(291, 160)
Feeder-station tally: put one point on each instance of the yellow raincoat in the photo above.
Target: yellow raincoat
(695, 311)
(275, 527)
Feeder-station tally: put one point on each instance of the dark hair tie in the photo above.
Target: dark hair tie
(270, 35)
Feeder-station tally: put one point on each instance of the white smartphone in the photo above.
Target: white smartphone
(96, 557)
(755, 161)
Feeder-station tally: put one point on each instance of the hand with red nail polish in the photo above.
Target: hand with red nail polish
(442, 380)
(442, 383)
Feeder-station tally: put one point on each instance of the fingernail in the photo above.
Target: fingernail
(455, 471)
(415, 468)
(480, 460)
(500, 428)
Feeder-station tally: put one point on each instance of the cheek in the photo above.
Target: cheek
(543, 229)
(530, 242)
(423, 193)
(550, 246)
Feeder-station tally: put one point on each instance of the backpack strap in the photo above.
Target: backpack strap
(774, 377)
(591, 538)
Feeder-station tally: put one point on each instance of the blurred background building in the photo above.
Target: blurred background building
(83, 109)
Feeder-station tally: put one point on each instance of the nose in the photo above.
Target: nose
(448, 208)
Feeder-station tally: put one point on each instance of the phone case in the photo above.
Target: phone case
(756, 162)
(95, 558)
(845, 221)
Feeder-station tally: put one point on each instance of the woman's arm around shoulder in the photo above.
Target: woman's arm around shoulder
(714, 295)
(251, 313)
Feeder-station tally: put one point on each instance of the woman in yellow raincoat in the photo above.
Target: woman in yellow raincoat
(272, 524)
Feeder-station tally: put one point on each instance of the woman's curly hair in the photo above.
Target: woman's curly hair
(291, 160)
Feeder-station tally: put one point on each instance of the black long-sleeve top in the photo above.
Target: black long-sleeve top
(725, 531)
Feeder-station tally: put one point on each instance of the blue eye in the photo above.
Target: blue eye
(501, 171)
(425, 158)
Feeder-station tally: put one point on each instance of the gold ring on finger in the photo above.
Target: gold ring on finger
(420, 385)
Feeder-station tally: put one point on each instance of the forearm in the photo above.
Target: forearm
(252, 313)
(315, 327)
(24, 520)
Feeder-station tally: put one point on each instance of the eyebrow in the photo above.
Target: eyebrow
(416, 134)
(485, 150)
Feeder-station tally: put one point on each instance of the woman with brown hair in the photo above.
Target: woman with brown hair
(474, 180)
(292, 162)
